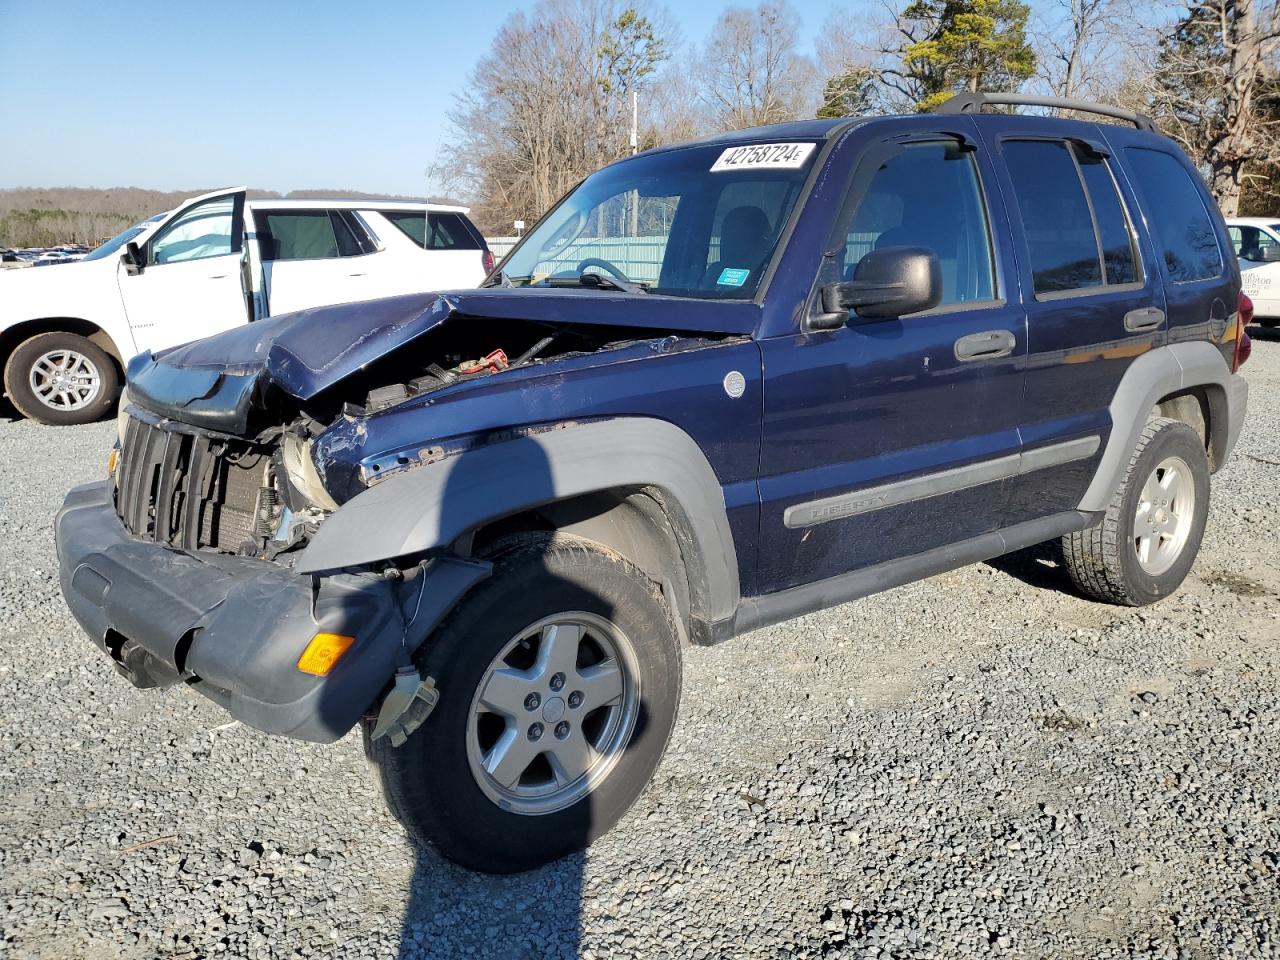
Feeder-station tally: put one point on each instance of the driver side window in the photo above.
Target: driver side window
(1250, 242)
(203, 231)
(929, 196)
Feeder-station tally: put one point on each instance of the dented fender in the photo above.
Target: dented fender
(435, 503)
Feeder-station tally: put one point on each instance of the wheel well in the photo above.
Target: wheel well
(1202, 408)
(11, 337)
(640, 524)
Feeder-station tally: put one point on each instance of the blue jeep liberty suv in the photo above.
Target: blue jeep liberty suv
(719, 385)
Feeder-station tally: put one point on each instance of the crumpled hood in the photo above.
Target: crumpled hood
(214, 382)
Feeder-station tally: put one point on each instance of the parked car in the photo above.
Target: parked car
(482, 524)
(216, 262)
(1257, 244)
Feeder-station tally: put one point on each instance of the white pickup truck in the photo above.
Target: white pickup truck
(217, 261)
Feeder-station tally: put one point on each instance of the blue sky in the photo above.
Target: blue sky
(275, 95)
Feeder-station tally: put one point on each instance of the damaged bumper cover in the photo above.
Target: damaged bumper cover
(233, 627)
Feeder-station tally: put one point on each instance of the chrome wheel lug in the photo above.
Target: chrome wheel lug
(562, 729)
(557, 681)
(575, 700)
(532, 701)
(535, 731)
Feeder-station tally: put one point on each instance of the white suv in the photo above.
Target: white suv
(1257, 243)
(217, 261)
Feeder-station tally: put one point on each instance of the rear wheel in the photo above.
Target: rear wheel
(559, 679)
(61, 379)
(1148, 538)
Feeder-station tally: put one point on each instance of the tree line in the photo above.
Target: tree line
(552, 99)
(50, 216)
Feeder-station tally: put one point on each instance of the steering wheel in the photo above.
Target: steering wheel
(603, 265)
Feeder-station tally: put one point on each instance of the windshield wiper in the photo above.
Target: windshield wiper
(608, 280)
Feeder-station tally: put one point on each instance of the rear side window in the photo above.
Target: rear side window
(1175, 205)
(1115, 235)
(929, 196)
(309, 235)
(1078, 234)
(435, 231)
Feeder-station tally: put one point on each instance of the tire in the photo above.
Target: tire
(1105, 562)
(432, 783)
(29, 367)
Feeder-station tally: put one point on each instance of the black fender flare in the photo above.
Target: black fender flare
(433, 505)
(1154, 375)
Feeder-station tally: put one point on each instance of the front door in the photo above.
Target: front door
(191, 282)
(888, 438)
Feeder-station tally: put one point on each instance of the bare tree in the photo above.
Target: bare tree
(549, 104)
(752, 72)
(1078, 41)
(1211, 90)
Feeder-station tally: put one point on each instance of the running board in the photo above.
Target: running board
(754, 613)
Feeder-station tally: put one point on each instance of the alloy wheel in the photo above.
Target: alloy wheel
(553, 713)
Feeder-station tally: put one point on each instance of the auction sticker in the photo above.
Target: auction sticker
(764, 156)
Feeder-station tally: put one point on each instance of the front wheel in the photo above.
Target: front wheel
(559, 679)
(61, 379)
(1148, 538)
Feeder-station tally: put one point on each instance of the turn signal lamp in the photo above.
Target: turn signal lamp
(113, 461)
(323, 652)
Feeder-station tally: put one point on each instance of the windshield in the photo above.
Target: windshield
(119, 240)
(695, 222)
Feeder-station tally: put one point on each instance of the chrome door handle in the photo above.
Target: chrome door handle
(1144, 318)
(988, 345)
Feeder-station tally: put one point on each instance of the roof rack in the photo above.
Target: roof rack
(974, 102)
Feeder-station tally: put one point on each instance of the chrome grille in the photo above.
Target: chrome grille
(188, 489)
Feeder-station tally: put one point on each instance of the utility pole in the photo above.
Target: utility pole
(635, 142)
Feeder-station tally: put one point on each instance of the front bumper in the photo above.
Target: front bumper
(233, 627)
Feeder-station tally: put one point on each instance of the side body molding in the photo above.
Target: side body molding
(432, 505)
(1154, 375)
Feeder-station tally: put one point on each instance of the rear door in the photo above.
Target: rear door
(191, 284)
(314, 257)
(448, 251)
(888, 438)
(1093, 298)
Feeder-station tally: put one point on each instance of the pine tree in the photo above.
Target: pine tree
(849, 93)
(955, 45)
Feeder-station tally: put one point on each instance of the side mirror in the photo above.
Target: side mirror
(134, 262)
(1270, 254)
(886, 284)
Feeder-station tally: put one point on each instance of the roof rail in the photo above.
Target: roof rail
(974, 102)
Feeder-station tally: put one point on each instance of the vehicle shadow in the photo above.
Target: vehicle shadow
(1037, 566)
(1258, 332)
(452, 911)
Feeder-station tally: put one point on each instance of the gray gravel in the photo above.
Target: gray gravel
(978, 765)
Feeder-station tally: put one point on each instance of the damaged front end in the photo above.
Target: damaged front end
(190, 565)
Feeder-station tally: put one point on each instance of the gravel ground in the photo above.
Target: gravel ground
(978, 765)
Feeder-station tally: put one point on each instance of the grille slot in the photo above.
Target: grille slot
(187, 489)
